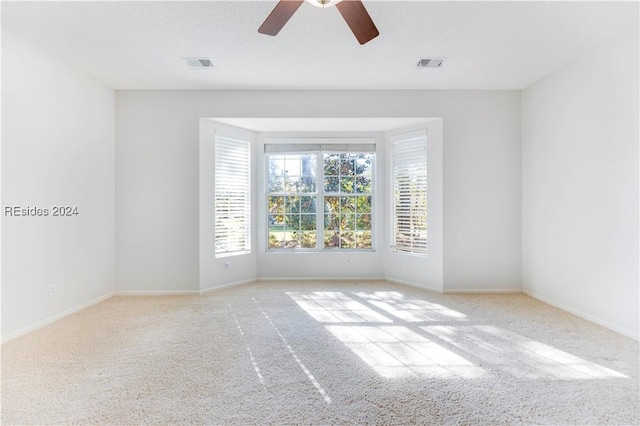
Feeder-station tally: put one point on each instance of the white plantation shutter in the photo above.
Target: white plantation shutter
(409, 175)
(232, 196)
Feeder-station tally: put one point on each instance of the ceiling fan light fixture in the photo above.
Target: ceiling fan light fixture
(324, 3)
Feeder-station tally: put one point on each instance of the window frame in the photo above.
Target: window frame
(320, 147)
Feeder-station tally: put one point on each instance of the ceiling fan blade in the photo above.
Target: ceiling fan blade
(358, 19)
(279, 16)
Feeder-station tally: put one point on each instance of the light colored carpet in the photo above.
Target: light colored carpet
(321, 353)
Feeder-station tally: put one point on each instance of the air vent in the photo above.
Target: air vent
(430, 62)
(198, 63)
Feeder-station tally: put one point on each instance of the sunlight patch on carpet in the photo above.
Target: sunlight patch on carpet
(335, 307)
(394, 351)
(519, 356)
(410, 310)
(400, 337)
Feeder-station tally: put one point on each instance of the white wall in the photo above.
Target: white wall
(157, 194)
(580, 186)
(482, 192)
(156, 172)
(57, 149)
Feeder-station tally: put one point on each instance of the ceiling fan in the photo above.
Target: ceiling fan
(352, 11)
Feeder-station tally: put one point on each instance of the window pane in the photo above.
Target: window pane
(292, 205)
(332, 164)
(363, 204)
(363, 184)
(276, 239)
(331, 239)
(363, 222)
(307, 205)
(363, 164)
(347, 239)
(363, 240)
(348, 221)
(309, 239)
(308, 222)
(347, 165)
(276, 204)
(347, 204)
(332, 184)
(347, 185)
(292, 222)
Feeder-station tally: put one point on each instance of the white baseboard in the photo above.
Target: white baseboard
(157, 293)
(483, 291)
(53, 318)
(321, 279)
(588, 317)
(223, 286)
(180, 292)
(415, 285)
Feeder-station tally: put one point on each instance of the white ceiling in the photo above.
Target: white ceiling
(487, 45)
